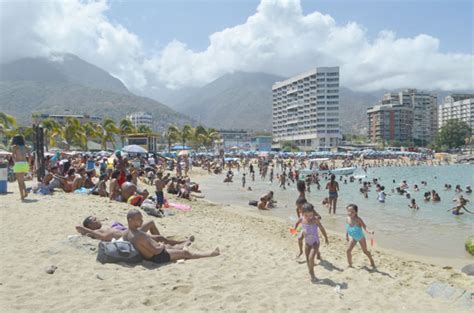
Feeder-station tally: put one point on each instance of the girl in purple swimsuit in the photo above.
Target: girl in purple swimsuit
(310, 224)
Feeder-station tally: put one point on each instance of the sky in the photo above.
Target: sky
(377, 44)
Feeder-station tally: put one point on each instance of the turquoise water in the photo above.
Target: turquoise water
(430, 231)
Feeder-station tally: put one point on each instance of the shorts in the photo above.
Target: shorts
(163, 257)
(21, 167)
(160, 198)
(333, 195)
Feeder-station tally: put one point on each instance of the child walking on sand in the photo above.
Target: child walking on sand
(355, 234)
(310, 224)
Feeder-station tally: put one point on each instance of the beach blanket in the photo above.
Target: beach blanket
(179, 206)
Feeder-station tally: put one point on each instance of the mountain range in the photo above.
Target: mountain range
(244, 101)
(66, 84)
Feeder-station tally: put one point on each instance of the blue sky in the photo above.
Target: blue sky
(192, 21)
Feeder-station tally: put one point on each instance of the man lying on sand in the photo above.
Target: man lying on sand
(152, 250)
(92, 227)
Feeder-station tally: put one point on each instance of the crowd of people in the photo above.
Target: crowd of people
(126, 178)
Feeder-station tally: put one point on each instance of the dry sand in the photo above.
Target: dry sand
(256, 272)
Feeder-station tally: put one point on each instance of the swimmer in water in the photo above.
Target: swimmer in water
(413, 205)
(461, 205)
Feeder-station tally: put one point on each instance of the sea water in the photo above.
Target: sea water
(430, 231)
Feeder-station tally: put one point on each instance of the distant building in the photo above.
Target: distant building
(405, 116)
(457, 106)
(141, 118)
(235, 138)
(306, 109)
(149, 142)
(262, 143)
(62, 118)
(390, 122)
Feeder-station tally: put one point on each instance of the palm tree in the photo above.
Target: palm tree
(172, 134)
(186, 134)
(126, 127)
(212, 136)
(73, 133)
(107, 131)
(144, 129)
(92, 132)
(7, 125)
(52, 131)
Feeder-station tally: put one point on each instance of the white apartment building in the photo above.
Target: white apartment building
(306, 109)
(457, 106)
(141, 118)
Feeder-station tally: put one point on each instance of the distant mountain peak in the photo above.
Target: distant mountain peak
(61, 67)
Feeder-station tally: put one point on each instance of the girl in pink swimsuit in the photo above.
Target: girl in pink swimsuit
(310, 224)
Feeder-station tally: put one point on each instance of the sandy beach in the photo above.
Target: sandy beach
(256, 271)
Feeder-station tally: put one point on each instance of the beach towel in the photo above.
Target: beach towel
(179, 206)
(118, 251)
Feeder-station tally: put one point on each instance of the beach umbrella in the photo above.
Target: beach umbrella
(183, 152)
(134, 149)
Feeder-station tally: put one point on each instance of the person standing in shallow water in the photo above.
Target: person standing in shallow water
(21, 166)
(333, 188)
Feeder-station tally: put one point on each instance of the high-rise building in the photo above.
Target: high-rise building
(390, 121)
(306, 109)
(425, 114)
(457, 106)
(406, 116)
(141, 118)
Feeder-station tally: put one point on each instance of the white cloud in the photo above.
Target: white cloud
(277, 39)
(38, 28)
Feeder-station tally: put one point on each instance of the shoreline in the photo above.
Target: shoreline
(384, 237)
(456, 263)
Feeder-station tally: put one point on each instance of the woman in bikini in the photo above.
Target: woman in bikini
(21, 166)
(355, 234)
(333, 188)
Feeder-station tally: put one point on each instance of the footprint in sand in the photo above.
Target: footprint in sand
(182, 289)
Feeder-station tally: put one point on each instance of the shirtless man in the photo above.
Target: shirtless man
(154, 251)
(92, 227)
(461, 204)
(114, 189)
(129, 189)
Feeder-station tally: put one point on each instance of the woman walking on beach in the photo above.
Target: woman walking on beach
(333, 188)
(355, 234)
(21, 166)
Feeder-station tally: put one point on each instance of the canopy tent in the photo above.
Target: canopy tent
(134, 149)
(176, 148)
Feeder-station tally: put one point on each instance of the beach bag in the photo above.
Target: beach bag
(118, 251)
